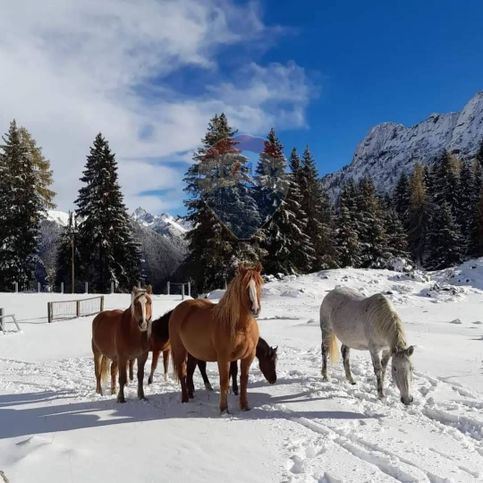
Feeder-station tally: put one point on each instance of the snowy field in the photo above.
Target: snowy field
(54, 428)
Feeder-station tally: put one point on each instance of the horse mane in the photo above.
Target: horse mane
(160, 326)
(386, 321)
(228, 310)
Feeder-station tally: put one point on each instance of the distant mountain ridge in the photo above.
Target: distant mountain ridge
(391, 148)
(162, 242)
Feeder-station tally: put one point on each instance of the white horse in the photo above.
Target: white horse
(366, 324)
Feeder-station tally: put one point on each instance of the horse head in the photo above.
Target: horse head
(251, 286)
(267, 361)
(402, 372)
(141, 307)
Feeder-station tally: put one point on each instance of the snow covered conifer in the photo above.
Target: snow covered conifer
(401, 196)
(20, 211)
(106, 244)
(316, 204)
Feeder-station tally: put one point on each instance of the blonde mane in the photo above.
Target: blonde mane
(228, 310)
(386, 321)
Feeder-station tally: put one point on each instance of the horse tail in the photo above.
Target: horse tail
(331, 343)
(105, 368)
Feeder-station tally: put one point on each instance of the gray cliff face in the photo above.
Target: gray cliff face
(390, 148)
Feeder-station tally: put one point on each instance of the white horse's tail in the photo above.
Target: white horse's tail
(330, 341)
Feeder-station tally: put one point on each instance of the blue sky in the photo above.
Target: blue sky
(149, 75)
(377, 61)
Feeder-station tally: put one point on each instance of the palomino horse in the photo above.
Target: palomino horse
(366, 324)
(222, 332)
(158, 343)
(121, 336)
(267, 360)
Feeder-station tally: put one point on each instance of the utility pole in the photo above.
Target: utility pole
(72, 233)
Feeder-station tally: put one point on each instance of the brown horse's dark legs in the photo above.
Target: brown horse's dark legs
(131, 369)
(141, 363)
(166, 363)
(113, 376)
(154, 364)
(234, 377)
(244, 368)
(191, 366)
(122, 367)
(202, 368)
(224, 370)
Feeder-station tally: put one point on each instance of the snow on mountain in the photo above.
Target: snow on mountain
(59, 217)
(163, 224)
(391, 148)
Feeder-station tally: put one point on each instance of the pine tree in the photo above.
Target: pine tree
(401, 196)
(477, 245)
(372, 234)
(466, 203)
(106, 244)
(288, 247)
(41, 166)
(349, 248)
(445, 240)
(316, 204)
(211, 246)
(418, 215)
(20, 212)
(444, 182)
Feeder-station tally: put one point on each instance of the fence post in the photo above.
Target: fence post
(61, 287)
(189, 289)
(38, 287)
(169, 287)
(86, 287)
(112, 287)
(77, 308)
(102, 303)
(15, 286)
(182, 291)
(49, 312)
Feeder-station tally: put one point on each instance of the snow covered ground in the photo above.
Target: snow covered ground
(53, 427)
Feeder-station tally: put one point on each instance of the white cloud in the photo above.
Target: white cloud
(73, 68)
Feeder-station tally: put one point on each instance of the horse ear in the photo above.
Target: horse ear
(258, 267)
(149, 289)
(134, 288)
(274, 348)
(410, 350)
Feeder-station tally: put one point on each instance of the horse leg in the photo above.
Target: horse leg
(141, 363)
(206, 381)
(224, 370)
(324, 350)
(122, 363)
(191, 366)
(166, 363)
(97, 369)
(347, 367)
(154, 364)
(131, 369)
(376, 362)
(234, 376)
(244, 368)
(113, 376)
(386, 355)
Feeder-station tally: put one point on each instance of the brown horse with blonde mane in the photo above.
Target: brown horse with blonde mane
(120, 336)
(222, 332)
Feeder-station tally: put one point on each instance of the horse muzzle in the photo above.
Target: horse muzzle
(407, 400)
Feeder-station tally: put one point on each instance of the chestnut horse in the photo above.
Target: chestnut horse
(158, 343)
(222, 332)
(120, 336)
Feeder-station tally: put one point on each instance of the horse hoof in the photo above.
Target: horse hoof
(245, 408)
(142, 398)
(353, 383)
(208, 387)
(325, 379)
(224, 412)
(150, 380)
(121, 400)
(235, 392)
